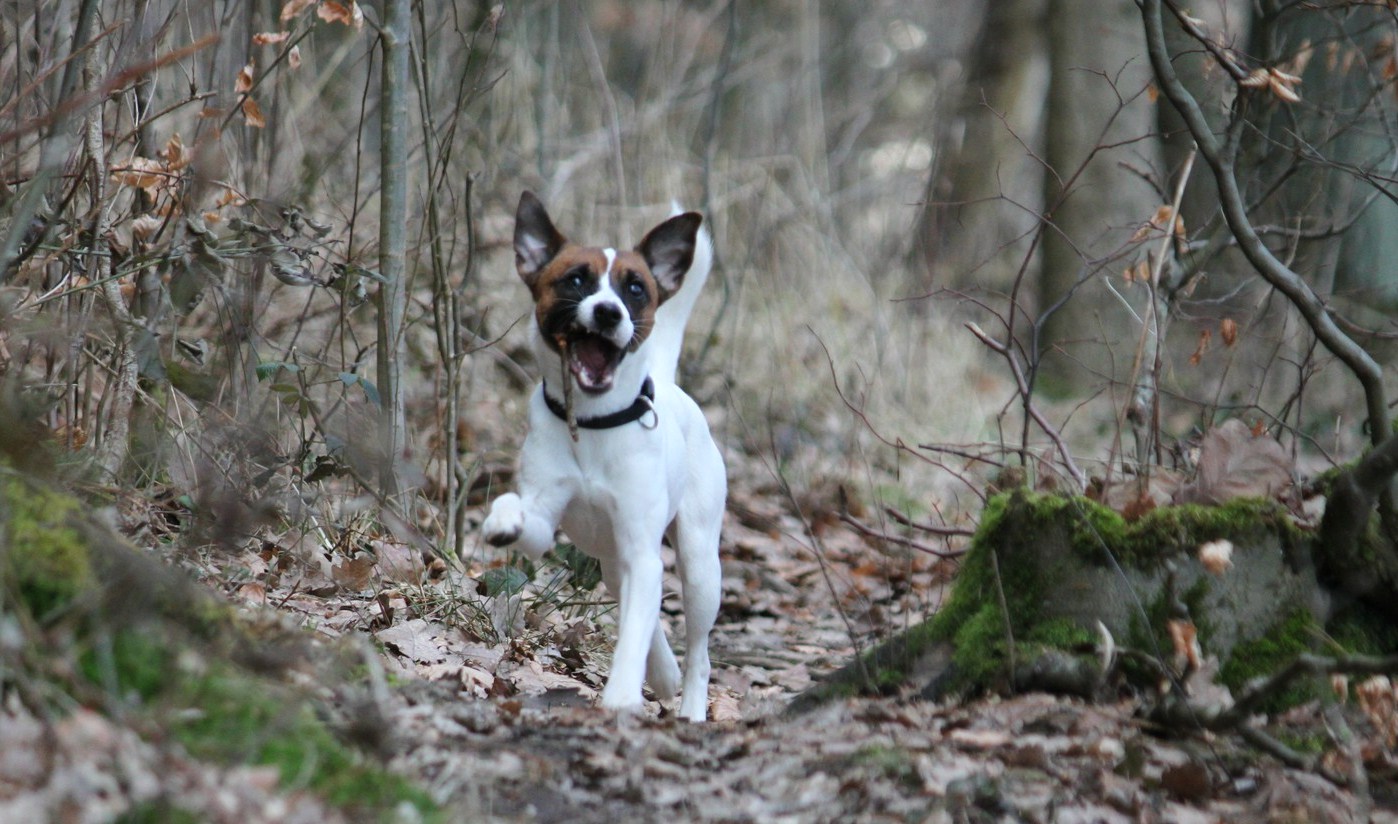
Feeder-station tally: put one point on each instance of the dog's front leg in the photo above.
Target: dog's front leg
(527, 520)
(638, 571)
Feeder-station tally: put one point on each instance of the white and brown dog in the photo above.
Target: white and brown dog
(617, 454)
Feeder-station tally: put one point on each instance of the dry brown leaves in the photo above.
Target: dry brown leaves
(1233, 461)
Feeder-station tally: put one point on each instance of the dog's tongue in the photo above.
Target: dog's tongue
(592, 363)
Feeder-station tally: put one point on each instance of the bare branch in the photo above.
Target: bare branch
(1023, 385)
(870, 532)
(1220, 157)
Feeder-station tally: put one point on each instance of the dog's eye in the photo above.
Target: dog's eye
(575, 279)
(634, 289)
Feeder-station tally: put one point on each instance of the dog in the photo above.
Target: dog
(617, 454)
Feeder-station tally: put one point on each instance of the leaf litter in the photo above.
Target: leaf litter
(496, 670)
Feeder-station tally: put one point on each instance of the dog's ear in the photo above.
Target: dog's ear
(669, 250)
(536, 239)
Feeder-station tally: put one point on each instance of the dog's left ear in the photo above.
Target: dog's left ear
(669, 250)
(536, 239)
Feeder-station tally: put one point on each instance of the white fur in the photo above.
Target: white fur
(673, 315)
(617, 492)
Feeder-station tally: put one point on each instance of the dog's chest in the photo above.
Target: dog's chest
(621, 476)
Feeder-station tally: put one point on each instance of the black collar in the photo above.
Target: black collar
(637, 410)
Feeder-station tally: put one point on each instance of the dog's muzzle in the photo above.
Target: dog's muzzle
(593, 359)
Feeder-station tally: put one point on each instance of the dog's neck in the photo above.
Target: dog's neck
(630, 376)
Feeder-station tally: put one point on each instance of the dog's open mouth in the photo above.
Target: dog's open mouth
(593, 360)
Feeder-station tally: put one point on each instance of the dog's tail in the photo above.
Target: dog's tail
(670, 319)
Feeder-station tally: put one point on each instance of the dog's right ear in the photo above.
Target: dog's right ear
(536, 239)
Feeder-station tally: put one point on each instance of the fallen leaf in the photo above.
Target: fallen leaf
(1185, 640)
(1235, 463)
(1141, 494)
(725, 705)
(253, 592)
(417, 640)
(1203, 346)
(1228, 330)
(1187, 782)
(1217, 556)
(399, 563)
(981, 739)
(353, 573)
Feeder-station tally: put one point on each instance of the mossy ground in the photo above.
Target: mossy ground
(45, 562)
(996, 569)
(1298, 632)
(150, 651)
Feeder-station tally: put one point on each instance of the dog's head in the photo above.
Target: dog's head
(598, 304)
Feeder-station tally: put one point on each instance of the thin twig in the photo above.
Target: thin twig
(870, 532)
(1005, 613)
(1022, 383)
(935, 529)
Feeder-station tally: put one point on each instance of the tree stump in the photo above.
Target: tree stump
(1052, 584)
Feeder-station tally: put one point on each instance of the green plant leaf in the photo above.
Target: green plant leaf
(505, 580)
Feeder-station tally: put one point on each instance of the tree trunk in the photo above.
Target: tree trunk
(1100, 139)
(977, 225)
(393, 237)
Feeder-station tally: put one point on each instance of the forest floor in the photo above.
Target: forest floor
(480, 689)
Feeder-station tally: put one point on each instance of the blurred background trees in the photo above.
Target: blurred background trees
(189, 224)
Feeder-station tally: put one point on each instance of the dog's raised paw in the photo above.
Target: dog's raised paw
(505, 523)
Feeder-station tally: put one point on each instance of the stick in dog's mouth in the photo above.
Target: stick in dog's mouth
(572, 417)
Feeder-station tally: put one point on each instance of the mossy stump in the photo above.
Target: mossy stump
(108, 627)
(1058, 566)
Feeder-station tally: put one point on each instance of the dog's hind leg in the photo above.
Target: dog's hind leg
(662, 671)
(701, 578)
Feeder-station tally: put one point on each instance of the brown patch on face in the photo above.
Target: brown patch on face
(572, 275)
(632, 281)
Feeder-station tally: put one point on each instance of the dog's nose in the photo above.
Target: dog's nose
(606, 315)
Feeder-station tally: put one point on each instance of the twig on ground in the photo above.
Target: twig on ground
(1258, 692)
(870, 532)
(932, 528)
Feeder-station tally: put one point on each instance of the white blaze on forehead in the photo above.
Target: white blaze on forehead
(621, 334)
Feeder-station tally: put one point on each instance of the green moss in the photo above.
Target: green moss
(46, 561)
(1059, 633)
(157, 812)
(231, 720)
(972, 619)
(1270, 652)
(1313, 743)
(1150, 540)
(892, 762)
(142, 638)
(133, 665)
